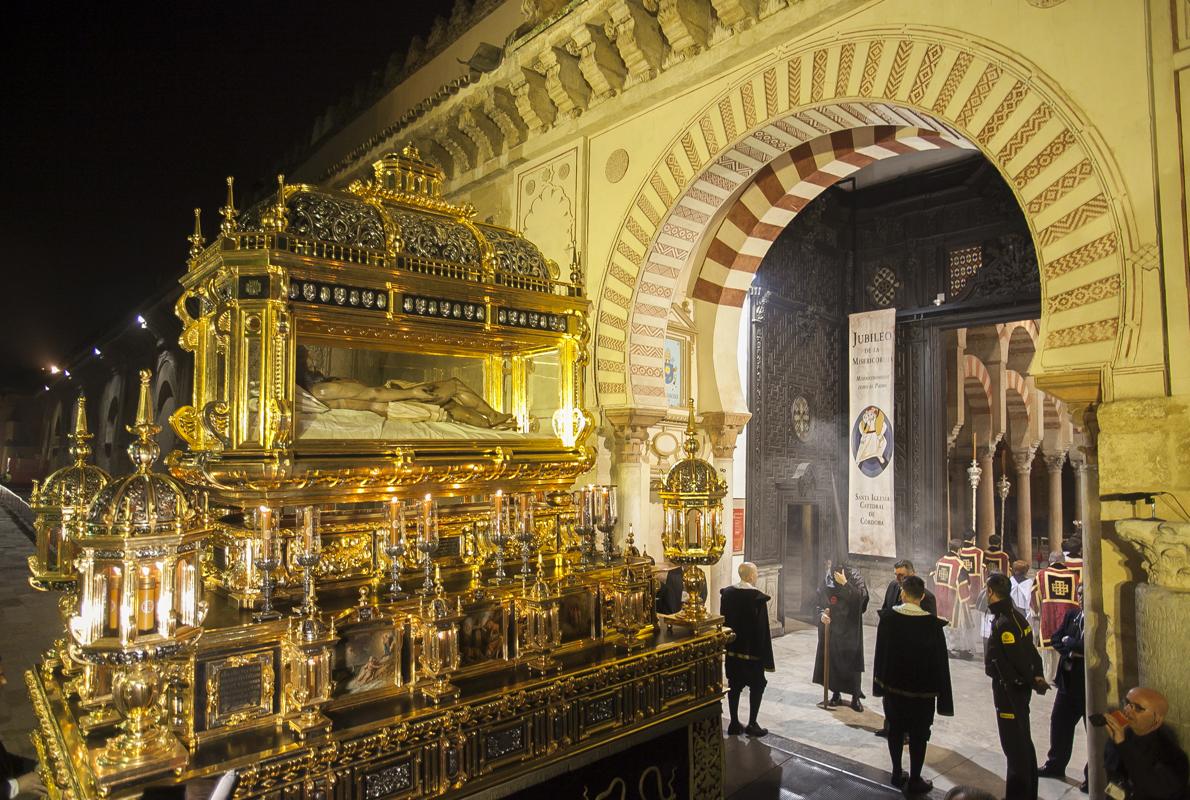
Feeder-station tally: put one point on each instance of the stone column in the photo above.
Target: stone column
(630, 472)
(1023, 461)
(723, 428)
(1082, 509)
(1163, 613)
(1053, 465)
(986, 522)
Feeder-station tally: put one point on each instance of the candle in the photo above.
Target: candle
(612, 504)
(425, 511)
(266, 532)
(146, 601)
(973, 443)
(499, 501)
(308, 529)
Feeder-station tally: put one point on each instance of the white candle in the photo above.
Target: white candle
(266, 531)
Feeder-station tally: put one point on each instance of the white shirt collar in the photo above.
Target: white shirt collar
(910, 610)
(744, 585)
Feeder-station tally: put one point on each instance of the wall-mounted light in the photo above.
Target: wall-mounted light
(141, 321)
(54, 370)
(95, 350)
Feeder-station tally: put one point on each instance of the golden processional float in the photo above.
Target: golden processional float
(368, 574)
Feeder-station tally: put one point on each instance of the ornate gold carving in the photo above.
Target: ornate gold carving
(706, 758)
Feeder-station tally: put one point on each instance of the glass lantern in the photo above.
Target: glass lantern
(540, 628)
(692, 501)
(308, 650)
(437, 626)
(631, 597)
(60, 507)
(140, 603)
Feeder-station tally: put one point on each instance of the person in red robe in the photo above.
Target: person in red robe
(952, 588)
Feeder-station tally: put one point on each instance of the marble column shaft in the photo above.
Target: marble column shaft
(986, 521)
(1023, 461)
(630, 472)
(1053, 465)
(723, 428)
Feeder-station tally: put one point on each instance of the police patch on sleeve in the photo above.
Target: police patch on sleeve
(1007, 638)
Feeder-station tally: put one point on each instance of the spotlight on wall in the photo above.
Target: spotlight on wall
(141, 321)
(66, 372)
(53, 370)
(95, 350)
(47, 388)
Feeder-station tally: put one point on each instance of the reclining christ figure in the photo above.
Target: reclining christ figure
(443, 400)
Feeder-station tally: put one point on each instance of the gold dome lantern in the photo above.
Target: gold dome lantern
(692, 499)
(140, 605)
(60, 507)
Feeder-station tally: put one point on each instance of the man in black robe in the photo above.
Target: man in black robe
(892, 595)
(842, 601)
(911, 671)
(750, 655)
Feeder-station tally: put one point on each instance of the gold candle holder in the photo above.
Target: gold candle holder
(438, 639)
(692, 499)
(540, 628)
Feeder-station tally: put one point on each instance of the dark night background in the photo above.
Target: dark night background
(120, 118)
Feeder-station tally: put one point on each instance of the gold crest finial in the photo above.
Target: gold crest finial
(277, 217)
(196, 239)
(80, 439)
(691, 445)
(144, 450)
(229, 213)
(410, 151)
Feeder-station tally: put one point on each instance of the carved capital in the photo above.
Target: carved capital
(1054, 461)
(723, 428)
(629, 429)
(483, 131)
(637, 35)
(1023, 460)
(1165, 549)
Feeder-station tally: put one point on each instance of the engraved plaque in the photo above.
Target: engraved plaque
(239, 688)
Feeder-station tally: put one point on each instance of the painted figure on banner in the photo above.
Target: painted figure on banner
(842, 601)
(871, 441)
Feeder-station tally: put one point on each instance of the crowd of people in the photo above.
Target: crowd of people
(983, 601)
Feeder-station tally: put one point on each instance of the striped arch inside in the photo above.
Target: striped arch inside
(977, 385)
(786, 186)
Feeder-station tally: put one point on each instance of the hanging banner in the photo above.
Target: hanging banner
(871, 349)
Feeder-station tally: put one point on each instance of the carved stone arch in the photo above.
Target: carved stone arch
(952, 83)
(1020, 341)
(978, 395)
(1022, 411)
(165, 398)
(55, 438)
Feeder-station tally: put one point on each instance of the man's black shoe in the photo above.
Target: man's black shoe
(899, 779)
(882, 733)
(919, 786)
(835, 700)
(1051, 772)
(1082, 787)
(856, 705)
(755, 731)
(735, 729)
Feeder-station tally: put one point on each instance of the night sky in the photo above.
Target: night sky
(119, 119)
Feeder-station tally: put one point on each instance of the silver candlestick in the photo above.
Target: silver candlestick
(266, 565)
(1002, 488)
(427, 542)
(395, 551)
(525, 535)
(973, 474)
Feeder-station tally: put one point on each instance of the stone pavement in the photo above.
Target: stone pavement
(964, 749)
(29, 623)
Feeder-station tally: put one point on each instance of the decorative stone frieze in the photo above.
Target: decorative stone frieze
(1165, 549)
(564, 81)
(686, 24)
(637, 35)
(629, 432)
(598, 61)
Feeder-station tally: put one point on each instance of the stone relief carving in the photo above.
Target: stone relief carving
(1164, 547)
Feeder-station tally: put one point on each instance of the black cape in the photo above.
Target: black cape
(911, 659)
(847, 604)
(745, 611)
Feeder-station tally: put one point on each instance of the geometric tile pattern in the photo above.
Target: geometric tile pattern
(737, 147)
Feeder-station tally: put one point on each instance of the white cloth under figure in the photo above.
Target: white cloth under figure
(872, 441)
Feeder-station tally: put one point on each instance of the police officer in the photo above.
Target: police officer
(1014, 665)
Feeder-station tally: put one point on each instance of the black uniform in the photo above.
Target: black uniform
(1014, 665)
(1150, 767)
(750, 654)
(1070, 706)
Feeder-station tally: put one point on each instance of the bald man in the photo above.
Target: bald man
(750, 655)
(1142, 756)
